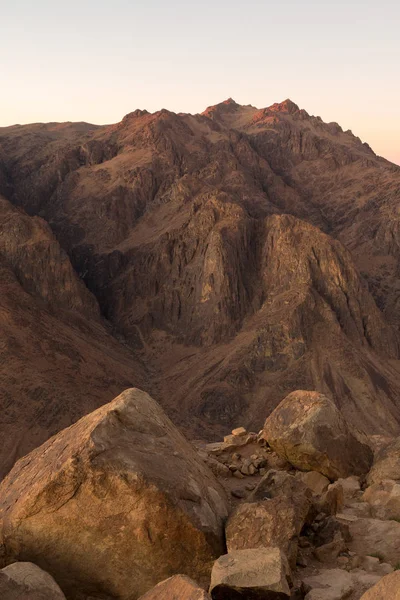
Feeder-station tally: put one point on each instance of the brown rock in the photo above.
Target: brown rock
(178, 587)
(274, 522)
(387, 588)
(26, 581)
(256, 574)
(308, 430)
(239, 431)
(376, 538)
(317, 483)
(386, 464)
(119, 492)
(384, 499)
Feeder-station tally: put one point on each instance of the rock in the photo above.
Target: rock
(384, 499)
(178, 587)
(309, 431)
(274, 522)
(279, 483)
(332, 501)
(317, 483)
(119, 492)
(387, 588)
(328, 529)
(254, 574)
(358, 510)
(331, 551)
(376, 538)
(26, 581)
(329, 584)
(370, 563)
(350, 486)
(239, 431)
(386, 464)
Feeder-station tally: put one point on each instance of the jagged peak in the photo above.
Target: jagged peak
(226, 106)
(286, 106)
(135, 115)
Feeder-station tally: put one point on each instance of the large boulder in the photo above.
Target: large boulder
(309, 431)
(256, 574)
(178, 587)
(115, 503)
(386, 464)
(26, 581)
(387, 588)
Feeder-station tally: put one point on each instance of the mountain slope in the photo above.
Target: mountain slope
(243, 253)
(57, 359)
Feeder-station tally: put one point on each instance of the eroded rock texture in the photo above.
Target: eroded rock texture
(242, 253)
(114, 504)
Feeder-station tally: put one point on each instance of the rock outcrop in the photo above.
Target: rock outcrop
(26, 581)
(309, 432)
(260, 574)
(114, 504)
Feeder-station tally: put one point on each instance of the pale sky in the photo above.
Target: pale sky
(96, 61)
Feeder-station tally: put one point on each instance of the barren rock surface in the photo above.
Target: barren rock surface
(114, 504)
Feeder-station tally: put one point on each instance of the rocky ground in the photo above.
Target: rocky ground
(120, 506)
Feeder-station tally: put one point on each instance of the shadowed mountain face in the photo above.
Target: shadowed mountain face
(241, 253)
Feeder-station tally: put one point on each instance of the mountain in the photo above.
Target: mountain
(235, 256)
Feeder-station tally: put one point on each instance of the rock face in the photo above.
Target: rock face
(260, 574)
(386, 464)
(58, 359)
(388, 588)
(178, 587)
(26, 581)
(232, 250)
(114, 504)
(309, 431)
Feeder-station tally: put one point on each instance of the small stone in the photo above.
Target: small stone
(239, 431)
(343, 561)
(252, 469)
(237, 493)
(250, 486)
(238, 474)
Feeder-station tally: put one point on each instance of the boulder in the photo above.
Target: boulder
(26, 581)
(337, 584)
(115, 503)
(384, 499)
(373, 537)
(178, 587)
(329, 584)
(387, 588)
(386, 464)
(317, 483)
(273, 522)
(309, 431)
(256, 574)
(282, 484)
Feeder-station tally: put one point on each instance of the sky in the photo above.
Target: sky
(96, 61)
